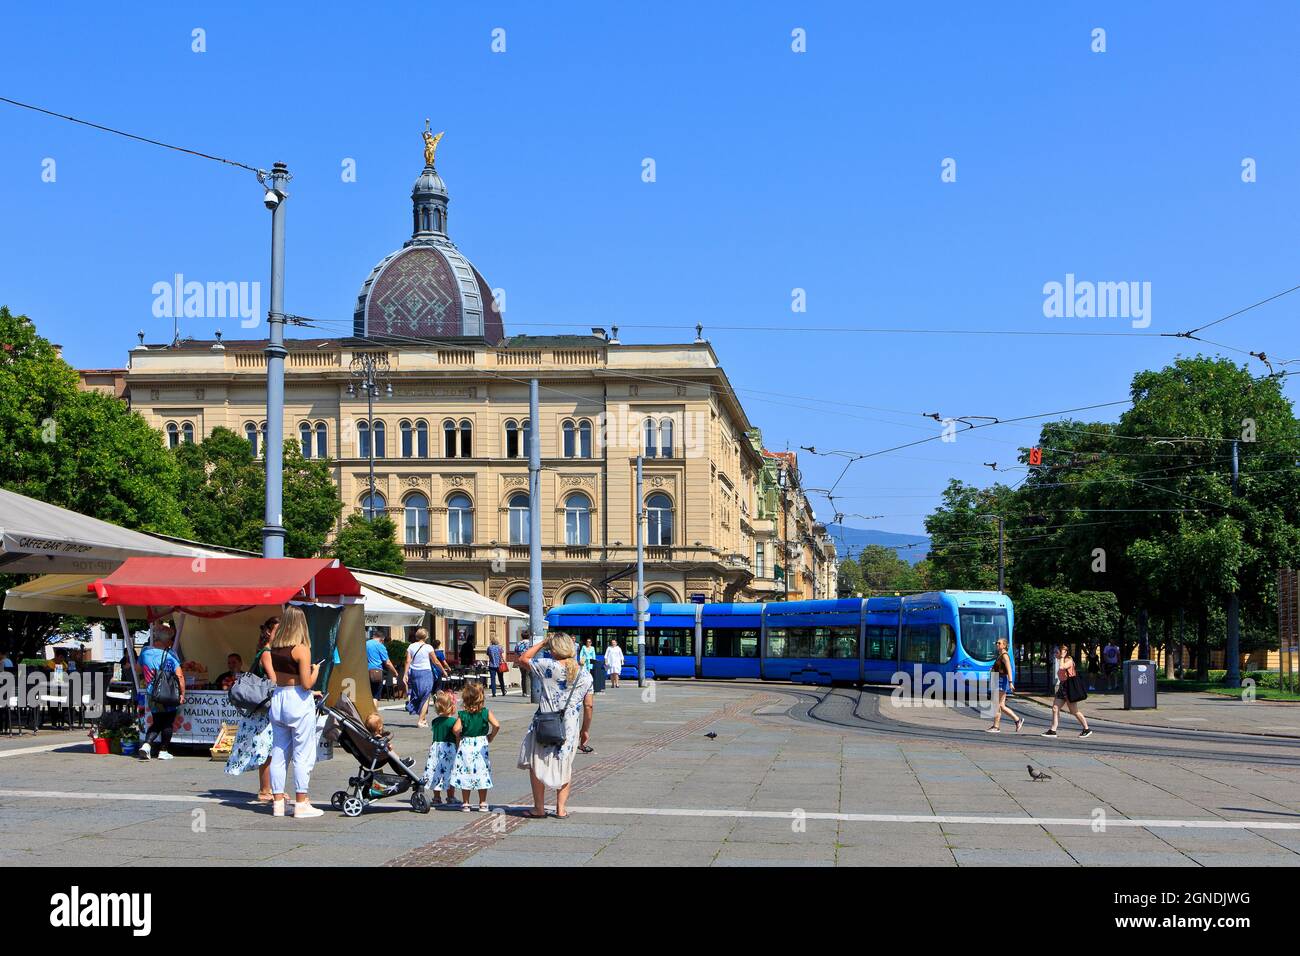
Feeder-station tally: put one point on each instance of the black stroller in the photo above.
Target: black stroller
(344, 728)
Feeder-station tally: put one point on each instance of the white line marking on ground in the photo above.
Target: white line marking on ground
(957, 819)
(90, 795)
(664, 721)
(1110, 821)
(84, 748)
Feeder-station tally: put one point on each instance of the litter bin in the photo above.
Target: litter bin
(1139, 685)
(597, 676)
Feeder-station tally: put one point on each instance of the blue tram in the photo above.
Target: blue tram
(857, 640)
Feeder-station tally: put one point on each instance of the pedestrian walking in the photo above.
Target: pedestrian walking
(475, 727)
(613, 662)
(525, 642)
(287, 662)
(1069, 692)
(1005, 675)
(157, 662)
(252, 747)
(418, 674)
(1110, 663)
(587, 656)
(442, 753)
(378, 661)
(497, 666)
(563, 688)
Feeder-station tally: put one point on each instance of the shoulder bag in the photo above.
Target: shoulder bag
(165, 688)
(1074, 687)
(548, 726)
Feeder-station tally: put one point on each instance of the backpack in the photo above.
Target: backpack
(165, 688)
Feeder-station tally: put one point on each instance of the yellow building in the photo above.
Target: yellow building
(450, 427)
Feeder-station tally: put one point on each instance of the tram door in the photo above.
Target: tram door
(699, 641)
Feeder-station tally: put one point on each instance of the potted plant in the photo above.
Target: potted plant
(129, 739)
(116, 728)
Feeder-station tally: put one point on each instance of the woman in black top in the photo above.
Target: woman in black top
(1002, 671)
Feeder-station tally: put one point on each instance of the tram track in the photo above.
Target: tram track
(859, 711)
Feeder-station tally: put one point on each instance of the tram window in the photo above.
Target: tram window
(947, 643)
(730, 642)
(921, 643)
(670, 641)
(776, 643)
(882, 642)
(748, 643)
(980, 630)
(844, 643)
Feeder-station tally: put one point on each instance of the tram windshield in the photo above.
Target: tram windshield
(980, 631)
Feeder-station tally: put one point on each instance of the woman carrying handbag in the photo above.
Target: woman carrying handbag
(1071, 690)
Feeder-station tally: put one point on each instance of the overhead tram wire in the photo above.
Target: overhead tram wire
(123, 133)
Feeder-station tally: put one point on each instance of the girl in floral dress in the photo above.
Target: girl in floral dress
(475, 726)
(442, 755)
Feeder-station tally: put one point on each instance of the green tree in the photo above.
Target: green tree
(369, 545)
(1055, 616)
(79, 450)
(224, 495)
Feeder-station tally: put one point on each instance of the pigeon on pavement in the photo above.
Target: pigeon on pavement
(1036, 775)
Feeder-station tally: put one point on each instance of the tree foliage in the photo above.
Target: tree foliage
(370, 545)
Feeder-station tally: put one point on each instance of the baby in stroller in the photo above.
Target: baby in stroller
(371, 746)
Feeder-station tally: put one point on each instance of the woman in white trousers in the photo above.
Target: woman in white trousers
(287, 661)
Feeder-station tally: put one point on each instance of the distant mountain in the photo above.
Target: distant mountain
(850, 542)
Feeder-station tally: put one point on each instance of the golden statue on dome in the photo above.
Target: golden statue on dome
(430, 143)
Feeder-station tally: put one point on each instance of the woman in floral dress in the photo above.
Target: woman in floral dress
(253, 741)
(563, 684)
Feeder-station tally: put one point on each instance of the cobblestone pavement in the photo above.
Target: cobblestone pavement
(775, 786)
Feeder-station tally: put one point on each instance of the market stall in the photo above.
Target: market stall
(218, 604)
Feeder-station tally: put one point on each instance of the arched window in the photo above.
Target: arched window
(651, 445)
(173, 435)
(660, 597)
(322, 440)
(579, 597)
(304, 438)
(519, 601)
(584, 439)
(250, 432)
(577, 520)
(526, 446)
(460, 520)
(422, 439)
(417, 519)
(449, 439)
(512, 438)
(519, 519)
(261, 434)
(659, 515)
(363, 439)
(187, 433)
(570, 439)
(373, 506)
(666, 438)
(377, 433)
(408, 438)
(466, 439)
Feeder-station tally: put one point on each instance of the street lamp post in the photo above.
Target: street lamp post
(273, 528)
(370, 369)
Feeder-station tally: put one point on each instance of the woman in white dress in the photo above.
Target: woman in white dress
(562, 684)
(613, 662)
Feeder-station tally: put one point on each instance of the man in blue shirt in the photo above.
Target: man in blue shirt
(525, 642)
(377, 661)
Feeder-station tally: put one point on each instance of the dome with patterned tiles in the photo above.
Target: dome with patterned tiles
(427, 289)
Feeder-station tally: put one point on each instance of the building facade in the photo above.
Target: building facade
(450, 430)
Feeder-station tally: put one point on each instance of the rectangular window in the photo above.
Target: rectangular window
(758, 561)
(670, 641)
(882, 642)
(921, 643)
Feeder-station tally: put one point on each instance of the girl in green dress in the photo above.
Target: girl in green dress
(475, 726)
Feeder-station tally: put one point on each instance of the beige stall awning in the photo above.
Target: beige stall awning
(442, 599)
(40, 538)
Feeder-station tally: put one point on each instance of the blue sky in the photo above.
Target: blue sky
(775, 170)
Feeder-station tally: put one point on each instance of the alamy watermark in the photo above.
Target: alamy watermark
(208, 300)
(1084, 299)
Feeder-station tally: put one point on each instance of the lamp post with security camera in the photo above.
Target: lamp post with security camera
(273, 530)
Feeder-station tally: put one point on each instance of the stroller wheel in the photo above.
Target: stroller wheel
(352, 806)
(336, 801)
(420, 802)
